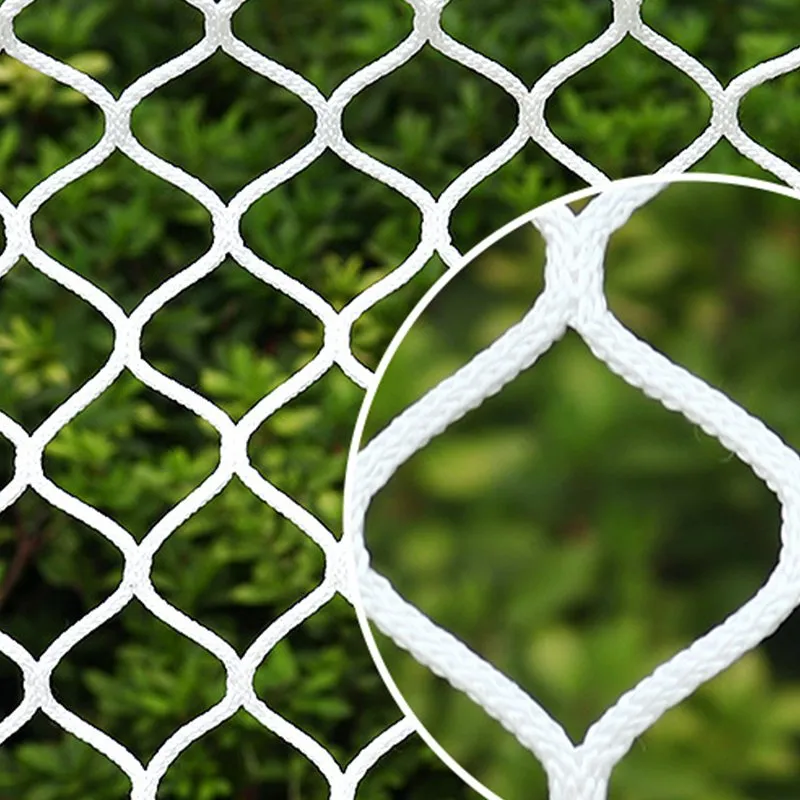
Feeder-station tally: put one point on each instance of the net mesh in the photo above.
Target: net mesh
(434, 238)
(574, 298)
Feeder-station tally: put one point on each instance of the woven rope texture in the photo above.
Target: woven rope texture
(573, 298)
(228, 243)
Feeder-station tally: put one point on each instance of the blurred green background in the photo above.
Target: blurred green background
(577, 534)
(235, 565)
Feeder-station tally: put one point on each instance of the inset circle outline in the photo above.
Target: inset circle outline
(438, 287)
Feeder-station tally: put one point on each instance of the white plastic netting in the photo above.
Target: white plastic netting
(573, 298)
(228, 242)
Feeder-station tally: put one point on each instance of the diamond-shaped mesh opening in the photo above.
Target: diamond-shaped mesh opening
(602, 561)
(321, 678)
(51, 343)
(302, 448)
(123, 228)
(412, 765)
(431, 119)
(216, 338)
(138, 680)
(46, 761)
(333, 228)
(529, 40)
(249, 124)
(54, 570)
(132, 454)
(52, 125)
(353, 35)
(241, 759)
(623, 126)
(236, 565)
(770, 111)
(96, 38)
(728, 38)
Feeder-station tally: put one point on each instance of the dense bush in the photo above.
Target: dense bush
(132, 454)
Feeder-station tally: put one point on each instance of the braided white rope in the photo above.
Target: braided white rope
(573, 298)
(227, 242)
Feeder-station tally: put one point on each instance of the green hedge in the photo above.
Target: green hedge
(236, 565)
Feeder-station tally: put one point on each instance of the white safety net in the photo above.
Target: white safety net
(228, 243)
(574, 298)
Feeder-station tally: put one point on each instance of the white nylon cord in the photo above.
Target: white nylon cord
(434, 237)
(573, 298)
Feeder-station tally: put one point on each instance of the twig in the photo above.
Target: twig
(27, 545)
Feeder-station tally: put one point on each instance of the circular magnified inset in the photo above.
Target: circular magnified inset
(572, 500)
